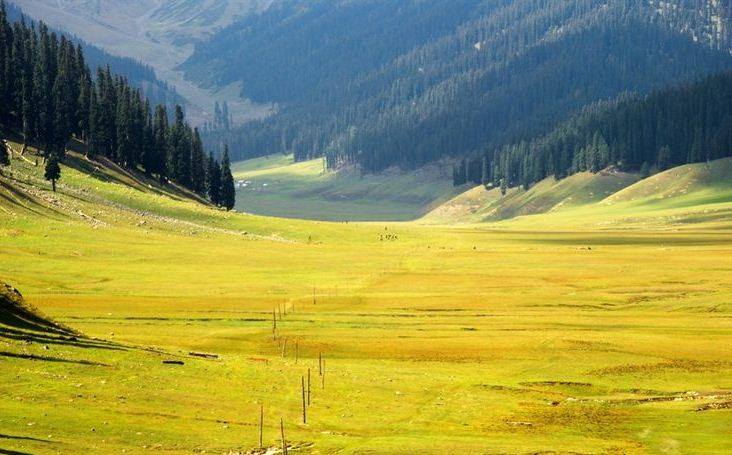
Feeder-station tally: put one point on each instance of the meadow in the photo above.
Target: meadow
(481, 338)
(277, 186)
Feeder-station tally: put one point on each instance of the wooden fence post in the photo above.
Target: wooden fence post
(261, 426)
(282, 432)
(304, 407)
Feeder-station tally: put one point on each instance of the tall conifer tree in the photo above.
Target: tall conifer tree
(228, 191)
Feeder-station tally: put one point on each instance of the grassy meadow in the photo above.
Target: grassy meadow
(481, 338)
(277, 186)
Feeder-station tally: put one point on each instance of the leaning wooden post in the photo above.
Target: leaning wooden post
(322, 378)
(261, 426)
(274, 325)
(308, 386)
(282, 432)
(304, 407)
(320, 363)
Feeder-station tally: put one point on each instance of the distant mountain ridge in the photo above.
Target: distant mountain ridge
(447, 78)
(139, 74)
(158, 32)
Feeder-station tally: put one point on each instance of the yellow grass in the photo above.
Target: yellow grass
(436, 339)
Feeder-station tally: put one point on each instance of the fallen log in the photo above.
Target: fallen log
(204, 355)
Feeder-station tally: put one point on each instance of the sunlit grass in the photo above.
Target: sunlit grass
(474, 339)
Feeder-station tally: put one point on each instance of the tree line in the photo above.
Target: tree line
(137, 73)
(686, 124)
(409, 82)
(49, 94)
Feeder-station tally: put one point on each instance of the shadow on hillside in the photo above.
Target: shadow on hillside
(23, 201)
(25, 438)
(16, 313)
(14, 355)
(43, 338)
(108, 171)
(13, 452)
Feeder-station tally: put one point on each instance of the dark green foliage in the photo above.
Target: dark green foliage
(47, 93)
(228, 191)
(664, 129)
(161, 145)
(198, 164)
(405, 82)
(53, 170)
(213, 180)
(4, 154)
(179, 161)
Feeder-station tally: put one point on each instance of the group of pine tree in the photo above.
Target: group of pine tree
(687, 124)
(411, 82)
(49, 94)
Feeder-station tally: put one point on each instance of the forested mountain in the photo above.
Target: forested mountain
(160, 33)
(49, 95)
(668, 128)
(137, 73)
(405, 82)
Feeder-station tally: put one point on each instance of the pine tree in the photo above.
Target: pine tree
(664, 158)
(160, 142)
(63, 111)
(42, 89)
(124, 126)
(29, 112)
(96, 141)
(213, 180)
(4, 153)
(645, 170)
(53, 170)
(198, 164)
(180, 149)
(5, 43)
(84, 89)
(149, 154)
(228, 191)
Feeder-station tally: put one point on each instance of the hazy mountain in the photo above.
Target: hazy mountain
(383, 82)
(157, 32)
(137, 73)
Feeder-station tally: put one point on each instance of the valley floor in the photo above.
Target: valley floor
(435, 339)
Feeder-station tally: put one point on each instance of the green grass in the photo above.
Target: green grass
(686, 197)
(480, 204)
(277, 186)
(492, 338)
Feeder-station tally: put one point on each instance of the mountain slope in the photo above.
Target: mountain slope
(137, 73)
(694, 196)
(480, 204)
(16, 313)
(159, 33)
(489, 71)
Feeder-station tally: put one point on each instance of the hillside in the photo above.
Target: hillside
(582, 341)
(159, 33)
(480, 204)
(17, 316)
(692, 196)
(137, 73)
(277, 186)
(384, 82)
